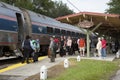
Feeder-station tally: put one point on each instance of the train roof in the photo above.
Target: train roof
(54, 23)
(38, 18)
(6, 9)
(2, 4)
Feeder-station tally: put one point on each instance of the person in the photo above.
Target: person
(62, 51)
(99, 47)
(36, 48)
(69, 44)
(113, 47)
(27, 49)
(73, 46)
(103, 51)
(117, 45)
(82, 46)
(52, 49)
(65, 44)
(92, 47)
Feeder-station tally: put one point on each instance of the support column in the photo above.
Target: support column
(88, 44)
(88, 38)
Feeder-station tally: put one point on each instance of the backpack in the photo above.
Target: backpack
(55, 46)
(35, 44)
(27, 44)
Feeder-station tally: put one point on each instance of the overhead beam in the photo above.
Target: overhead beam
(68, 20)
(96, 27)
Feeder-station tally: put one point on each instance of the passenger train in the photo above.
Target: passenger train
(16, 23)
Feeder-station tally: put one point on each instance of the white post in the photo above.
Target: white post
(43, 73)
(66, 63)
(78, 58)
(117, 55)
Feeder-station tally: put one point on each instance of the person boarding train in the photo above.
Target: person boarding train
(36, 48)
(27, 49)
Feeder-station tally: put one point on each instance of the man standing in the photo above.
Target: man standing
(103, 51)
(52, 50)
(27, 49)
(82, 46)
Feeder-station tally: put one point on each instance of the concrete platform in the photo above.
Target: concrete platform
(26, 70)
(4, 58)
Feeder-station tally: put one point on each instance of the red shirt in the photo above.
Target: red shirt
(103, 43)
(56, 40)
(81, 43)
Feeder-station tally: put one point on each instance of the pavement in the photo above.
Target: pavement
(23, 71)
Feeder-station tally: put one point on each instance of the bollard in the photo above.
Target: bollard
(66, 63)
(117, 55)
(78, 58)
(43, 73)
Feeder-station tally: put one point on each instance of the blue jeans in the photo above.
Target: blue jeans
(103, 52)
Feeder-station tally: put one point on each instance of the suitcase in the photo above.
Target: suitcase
(49, 53)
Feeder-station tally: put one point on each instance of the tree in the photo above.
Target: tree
(24, 4)
(114, 7)
(51, 9)
(20, 3)
(8, 1)
(60, 9)
(45, 7)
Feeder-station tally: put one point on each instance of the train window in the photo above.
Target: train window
(68, 33)
(44, 29)
(35, 29)
(49, 30)
(73, 33)
(11, 25)
(63, 32)
(40, 29)
(77, 34)
(57, 31)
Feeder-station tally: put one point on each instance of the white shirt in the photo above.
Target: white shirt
(99, 45)
(69, 42)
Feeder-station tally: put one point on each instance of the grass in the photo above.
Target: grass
(88, 70)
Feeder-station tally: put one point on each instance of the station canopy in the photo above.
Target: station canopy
(110, 23)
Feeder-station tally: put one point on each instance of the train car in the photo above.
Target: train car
(16, 23)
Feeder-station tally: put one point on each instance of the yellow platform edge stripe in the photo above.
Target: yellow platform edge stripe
(17, 65)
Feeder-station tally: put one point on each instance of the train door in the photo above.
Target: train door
(28, 24)
(24, 26)
(20, 30)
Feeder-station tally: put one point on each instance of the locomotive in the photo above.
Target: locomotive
(16, 23)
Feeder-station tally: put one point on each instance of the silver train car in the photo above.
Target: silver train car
(16, 23)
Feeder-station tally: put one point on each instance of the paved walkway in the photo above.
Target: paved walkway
(22, 72)
(116, 76)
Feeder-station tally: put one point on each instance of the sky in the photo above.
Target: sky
(87, 5)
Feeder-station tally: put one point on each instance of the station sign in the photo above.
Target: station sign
(85, 24)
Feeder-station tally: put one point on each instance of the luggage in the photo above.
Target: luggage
(49, 53)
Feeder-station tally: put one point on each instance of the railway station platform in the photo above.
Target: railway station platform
(21, 71)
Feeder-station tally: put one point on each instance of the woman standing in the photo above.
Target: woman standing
(99, 47)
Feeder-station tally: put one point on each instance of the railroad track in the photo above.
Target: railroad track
(7, 62)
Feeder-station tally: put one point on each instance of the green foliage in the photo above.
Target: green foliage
(8, 1)
(45, 7)
(114, 7)
(60, 9)
(24, 4)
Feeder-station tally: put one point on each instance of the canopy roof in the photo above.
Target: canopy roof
(110, 22)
